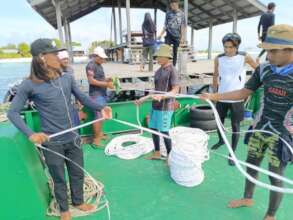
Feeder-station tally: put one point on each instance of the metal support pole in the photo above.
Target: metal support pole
(128, 22)
(120, 21)
(186, 18)
(59, 21)
(235, 21)
(114, 26)
(210, 39)
(192, 37)
(70, 50)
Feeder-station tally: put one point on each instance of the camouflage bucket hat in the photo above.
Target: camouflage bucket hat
(278, 37)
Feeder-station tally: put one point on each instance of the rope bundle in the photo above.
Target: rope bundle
(189, 151)
(93, 194)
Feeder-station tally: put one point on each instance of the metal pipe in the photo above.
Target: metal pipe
(59, 21)
(210, 39)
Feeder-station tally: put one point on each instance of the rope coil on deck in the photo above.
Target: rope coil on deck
(138, 145)
(189, 151)
(93, 194)
(3, 111)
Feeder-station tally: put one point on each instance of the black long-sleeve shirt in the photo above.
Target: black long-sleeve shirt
(266, 20)
(55, 109)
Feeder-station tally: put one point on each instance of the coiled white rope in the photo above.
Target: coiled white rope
(233, 156)
(186, 158)
(138, 145)
(92, 195)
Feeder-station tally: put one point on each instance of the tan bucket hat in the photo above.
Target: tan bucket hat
(164, 51)
(278, 37)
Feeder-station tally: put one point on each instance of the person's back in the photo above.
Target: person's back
(267, 20)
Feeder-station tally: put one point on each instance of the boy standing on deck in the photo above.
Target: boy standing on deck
(98, 87)
(162, 106)
(50, 89)
(277, 114)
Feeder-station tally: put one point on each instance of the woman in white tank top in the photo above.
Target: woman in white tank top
(230, 75)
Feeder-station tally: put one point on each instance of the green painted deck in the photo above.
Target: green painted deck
(136, 189)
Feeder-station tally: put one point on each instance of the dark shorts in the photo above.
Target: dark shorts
(101, 100)
(260, 143)
(236, 109)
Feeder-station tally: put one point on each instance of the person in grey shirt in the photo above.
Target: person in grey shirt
(98, 85)
(175, 26)
(51, 90)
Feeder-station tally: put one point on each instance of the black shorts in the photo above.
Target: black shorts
(236, 109)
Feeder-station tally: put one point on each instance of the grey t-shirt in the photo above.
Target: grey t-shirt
(175, 21)
(165, 79)
(55, 110)
(97, 71)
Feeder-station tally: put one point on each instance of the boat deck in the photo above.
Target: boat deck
(137, 189)
(143, 189)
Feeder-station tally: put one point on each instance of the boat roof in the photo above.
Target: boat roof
(199, 15)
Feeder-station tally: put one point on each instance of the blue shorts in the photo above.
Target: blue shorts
(101, 100)
(161, 120)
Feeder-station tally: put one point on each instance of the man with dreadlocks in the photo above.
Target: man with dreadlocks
(51, 90)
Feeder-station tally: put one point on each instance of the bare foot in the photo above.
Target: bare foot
(155, 156)
(269, 218)
(86, 207)
(65, 216)
(240, 203)
(96, 142)
(167, 161)
(103, 136)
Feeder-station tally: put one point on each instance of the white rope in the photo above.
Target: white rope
(92, 195)
(186, 158)
(233, 156)
(101, 200)
(220, 126)
(137, 144)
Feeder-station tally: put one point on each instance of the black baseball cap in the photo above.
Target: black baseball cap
(44, 45)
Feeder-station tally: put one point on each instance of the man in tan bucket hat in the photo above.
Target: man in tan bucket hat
(277, 114)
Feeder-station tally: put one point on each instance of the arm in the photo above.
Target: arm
(216, 75)
(15, 109)
(273, 21)
(234, 95)
(142, 99)
(164, 28)
(162, 33)
(183, 29)
(250, 61)
(94, 82)
(251, 85)
(83, 98)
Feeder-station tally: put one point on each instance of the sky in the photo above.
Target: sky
(20, 23)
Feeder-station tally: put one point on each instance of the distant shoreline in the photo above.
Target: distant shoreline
(198, 55)
(16, 60)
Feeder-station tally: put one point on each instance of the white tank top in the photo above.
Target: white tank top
(232, 73)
